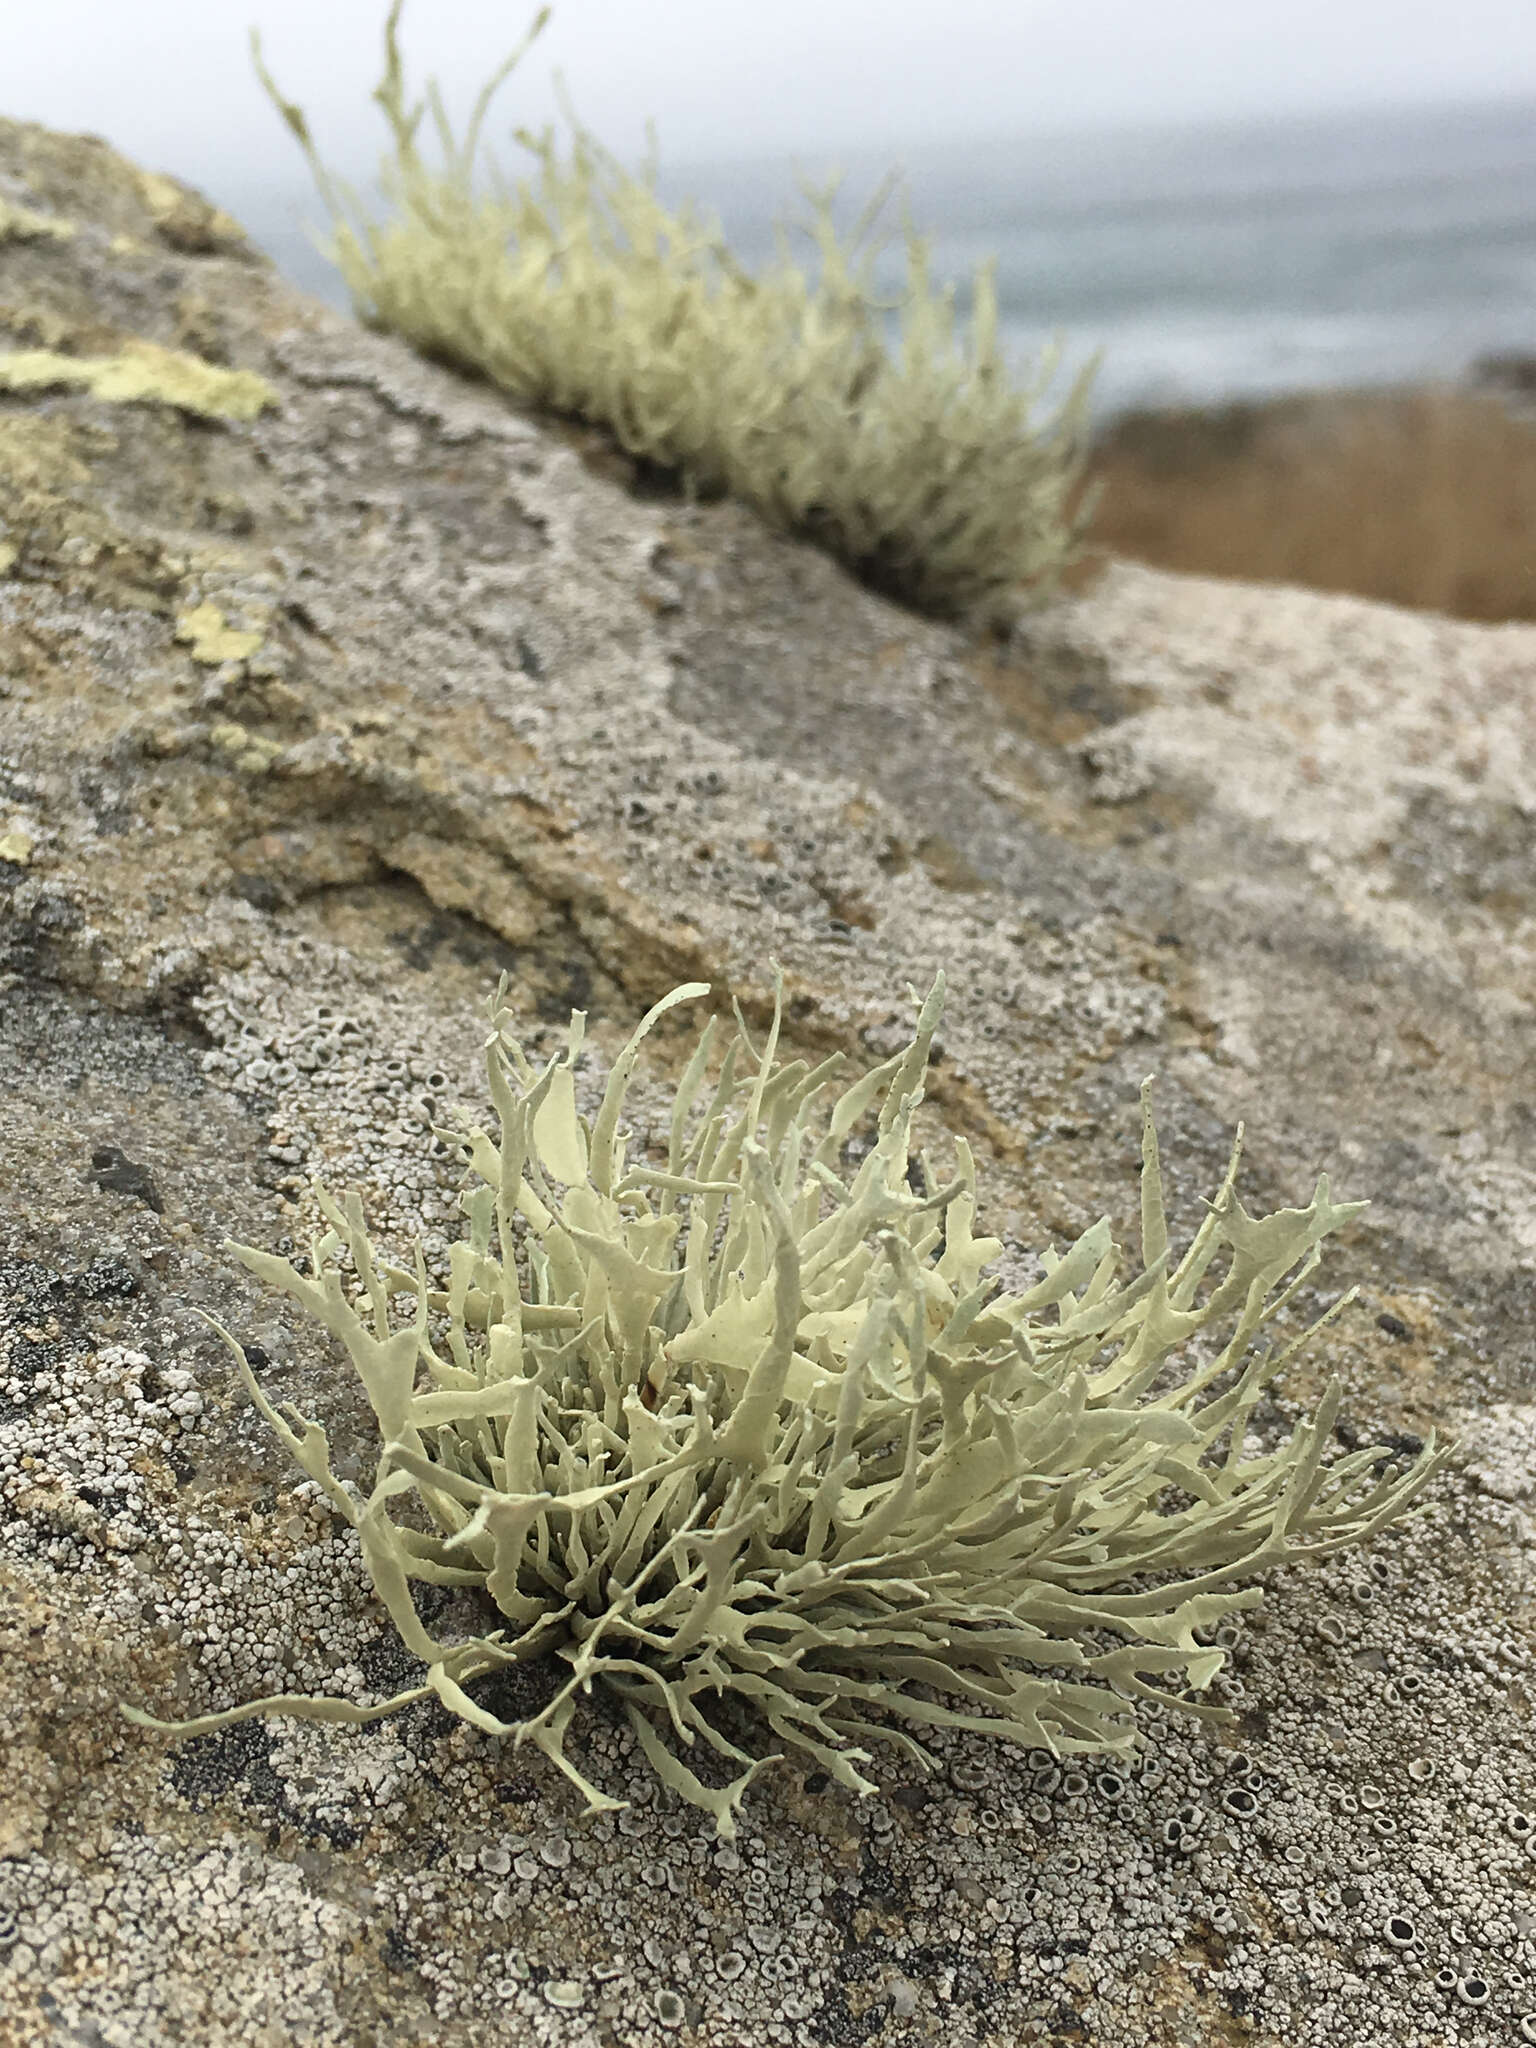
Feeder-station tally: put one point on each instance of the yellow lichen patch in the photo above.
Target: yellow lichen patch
(143, 372)
(211, 639)
(248, 751)
(16, 847)
(9, 556)
(22, 224)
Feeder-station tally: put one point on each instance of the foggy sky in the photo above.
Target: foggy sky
(170, 81)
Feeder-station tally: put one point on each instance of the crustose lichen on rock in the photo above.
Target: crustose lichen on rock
(756, 1425)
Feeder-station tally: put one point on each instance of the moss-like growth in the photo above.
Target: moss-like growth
(751, 1424)
(922, 470)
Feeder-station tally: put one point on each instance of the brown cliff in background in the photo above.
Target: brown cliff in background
(1424, 498)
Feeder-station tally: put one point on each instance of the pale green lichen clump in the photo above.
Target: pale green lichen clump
(922, 470)
(756, 1424)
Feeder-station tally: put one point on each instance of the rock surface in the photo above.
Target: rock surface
(313, 723)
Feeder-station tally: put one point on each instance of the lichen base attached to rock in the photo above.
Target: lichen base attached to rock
(747, 1425)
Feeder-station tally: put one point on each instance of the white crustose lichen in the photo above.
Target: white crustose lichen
(753, 1425)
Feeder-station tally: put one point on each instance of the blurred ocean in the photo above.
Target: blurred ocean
(1205, 263)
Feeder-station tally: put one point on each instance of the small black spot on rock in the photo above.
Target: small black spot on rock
(518, 1691)
(1394, 1326)
(398, 1953)
(112, 1169)
(260, 891)
(1400, 1443)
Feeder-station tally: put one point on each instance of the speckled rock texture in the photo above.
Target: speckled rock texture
(313, 724)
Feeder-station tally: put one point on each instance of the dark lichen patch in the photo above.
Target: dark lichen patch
(236, 1765)
(449, 950)
(211, 1767)
(466, 941)
(131, 1089)
(399, 1955)
(387, 1666)
(35, 938)
(520, 1691)
(260, 891)
(43, 1324)
(840, 2026)
(110, 811)
(112, 1169)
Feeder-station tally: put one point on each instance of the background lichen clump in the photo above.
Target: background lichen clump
(753, 1426)
(582, 293)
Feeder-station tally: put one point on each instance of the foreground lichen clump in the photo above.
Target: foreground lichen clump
(753, 1425)
(922, 470)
